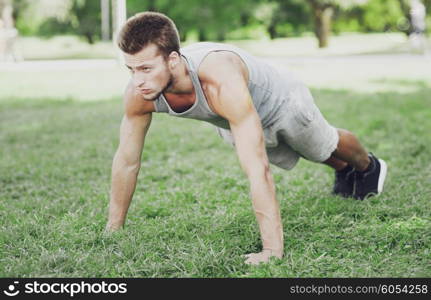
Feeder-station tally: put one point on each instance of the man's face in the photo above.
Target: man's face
(150, 73)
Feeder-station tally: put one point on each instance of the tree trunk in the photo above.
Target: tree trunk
(272, 30)
(405, 28)
(89, 37)
(202, 35)
(221, 35)
(322, 22)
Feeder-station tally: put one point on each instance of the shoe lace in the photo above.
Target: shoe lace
(363, 175)
(344, 176)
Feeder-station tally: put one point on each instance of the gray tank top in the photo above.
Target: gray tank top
(266, 86)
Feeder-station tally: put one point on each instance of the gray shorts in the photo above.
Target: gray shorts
(300, 130)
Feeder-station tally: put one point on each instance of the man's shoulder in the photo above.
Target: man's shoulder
(134, 104)
(222, 66)
(199, 46)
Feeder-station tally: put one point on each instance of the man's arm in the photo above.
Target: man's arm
(127, 162)
(227, 92)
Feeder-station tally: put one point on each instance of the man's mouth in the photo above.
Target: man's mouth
(145, 91)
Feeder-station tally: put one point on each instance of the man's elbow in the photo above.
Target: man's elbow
(133, 168)
(126, 163)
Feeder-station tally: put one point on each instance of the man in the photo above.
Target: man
(418, 25)
(266, 117)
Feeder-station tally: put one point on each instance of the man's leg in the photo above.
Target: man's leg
(357, 173)
(349, 152)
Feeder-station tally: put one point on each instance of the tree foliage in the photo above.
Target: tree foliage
(217, 19)
(85, 18)
(211, 19)
(382, 15)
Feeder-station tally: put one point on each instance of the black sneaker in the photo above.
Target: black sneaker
(344, 180)
(370, 182)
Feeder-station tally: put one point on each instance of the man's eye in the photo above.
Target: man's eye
(146, 69)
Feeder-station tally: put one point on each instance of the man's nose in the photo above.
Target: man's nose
(138, 80)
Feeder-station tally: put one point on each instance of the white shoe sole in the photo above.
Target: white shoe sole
(382, 175)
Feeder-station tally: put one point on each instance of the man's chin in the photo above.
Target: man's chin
(149, 99)
(152, 97)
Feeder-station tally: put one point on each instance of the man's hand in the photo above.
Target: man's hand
(112, 227)
(264, 256)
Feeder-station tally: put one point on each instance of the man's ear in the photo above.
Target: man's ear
(173, 59)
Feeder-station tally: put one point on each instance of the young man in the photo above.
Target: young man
(266, 117)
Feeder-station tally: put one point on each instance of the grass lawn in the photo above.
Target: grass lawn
(191, 215)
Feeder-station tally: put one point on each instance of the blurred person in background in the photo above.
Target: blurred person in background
(417, 36)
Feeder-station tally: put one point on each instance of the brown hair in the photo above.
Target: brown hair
(146, 28)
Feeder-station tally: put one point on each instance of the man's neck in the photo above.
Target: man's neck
(182, 82)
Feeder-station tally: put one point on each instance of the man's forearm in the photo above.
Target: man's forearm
(267, 212)
(122, 188)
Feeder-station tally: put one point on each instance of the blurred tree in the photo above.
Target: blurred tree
(348, 20)
(221, 16)
(323, 11)
(35, 17)
(211, 19)
(270, 14)
(377, 16)
(163, 6)
(216, 19)
(278, 15)
(86, 18)
(383, 15)
(50, 17)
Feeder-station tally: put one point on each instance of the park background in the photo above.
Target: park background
(191, 216)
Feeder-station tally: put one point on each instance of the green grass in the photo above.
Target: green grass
(191, 215)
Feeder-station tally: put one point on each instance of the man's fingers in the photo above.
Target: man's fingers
(255, 258)
(251, 262)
